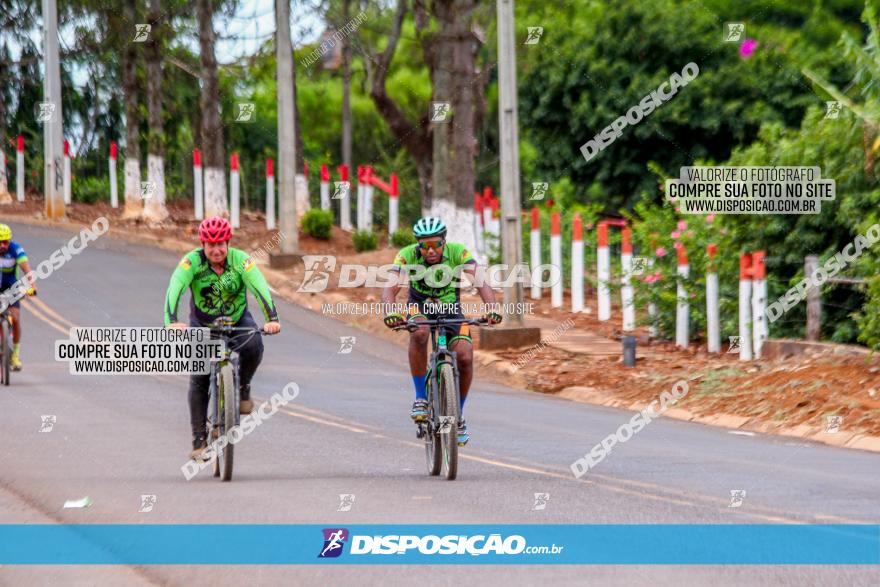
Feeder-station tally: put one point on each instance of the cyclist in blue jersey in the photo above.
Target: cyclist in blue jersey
(12, 258)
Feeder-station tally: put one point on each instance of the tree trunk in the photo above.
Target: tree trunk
(213, 150)
(345, 203)
(454, 78)
(154, 206)
(5, 196)
(133, 200)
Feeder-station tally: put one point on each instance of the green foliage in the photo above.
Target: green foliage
(317, 223)
(365, 240)
(402, 237)
(89, 190)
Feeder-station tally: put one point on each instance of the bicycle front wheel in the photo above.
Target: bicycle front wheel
(228, 412)
(6, 349)
(433, 450)
(449, 420)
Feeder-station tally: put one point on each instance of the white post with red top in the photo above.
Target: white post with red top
(325, 187)
(114, 188)
(270, 194)
(345, 199)
(745, 307)
(360, 197)
(19, 169)
(713, 319)
(556, 259)
(487, 210)
(603, 272)
(198, 189)
(535, 250)
(234, 192)
(67, 186)
(759, 302)
(577, 264)
(626, 290)
(682, 307)
(393, 205)
(368, 198)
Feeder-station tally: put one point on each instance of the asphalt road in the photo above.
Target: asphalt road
(348, 432)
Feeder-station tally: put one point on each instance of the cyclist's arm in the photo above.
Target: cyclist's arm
(27, 274)
(255, 281)
(180, 280)
(392, 288)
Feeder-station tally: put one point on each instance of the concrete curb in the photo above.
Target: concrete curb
(591, 395)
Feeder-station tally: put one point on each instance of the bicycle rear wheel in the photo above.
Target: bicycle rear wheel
(433, 451)
(450, 407)
(5, 349)
(228, 412)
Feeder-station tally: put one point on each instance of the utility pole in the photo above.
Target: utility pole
(49, 114)
(511, 245)
(287, 222)
(345, 202)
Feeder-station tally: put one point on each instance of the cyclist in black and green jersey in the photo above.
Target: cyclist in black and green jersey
(218, 277)
(435, 288)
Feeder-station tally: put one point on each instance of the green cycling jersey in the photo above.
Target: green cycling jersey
(446, 282)
(216, 295)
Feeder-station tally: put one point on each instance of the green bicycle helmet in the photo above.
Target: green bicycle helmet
(429, 226)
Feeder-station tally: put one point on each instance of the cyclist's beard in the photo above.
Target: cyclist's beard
(433, 257)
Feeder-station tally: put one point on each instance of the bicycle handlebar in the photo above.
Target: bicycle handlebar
(415, 324)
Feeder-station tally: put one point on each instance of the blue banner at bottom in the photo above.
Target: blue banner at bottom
(278, 544)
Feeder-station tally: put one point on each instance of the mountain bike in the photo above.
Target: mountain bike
(440, 429)
(224, 394)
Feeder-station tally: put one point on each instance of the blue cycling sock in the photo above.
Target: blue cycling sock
(461, 405)
(419, 381)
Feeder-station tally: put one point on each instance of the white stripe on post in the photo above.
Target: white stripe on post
(682, 316)
(392, 205)
(270, 194)
(759, 301)
(626, 291)
(325, 188)
(198, 190)
(535, 250)
(745, 307)
(368, 198)
(67, 186)
(603, 272)
(577, 264)
(19, 169)
(234, 192)
(487, 210)
(114, 188)
(556, 260)
(652, 307)
(713, 319)
(360, 198)
(478, 224)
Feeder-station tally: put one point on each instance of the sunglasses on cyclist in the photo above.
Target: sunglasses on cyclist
(436, 245)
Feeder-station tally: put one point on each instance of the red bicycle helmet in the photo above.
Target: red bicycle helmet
(215, 230)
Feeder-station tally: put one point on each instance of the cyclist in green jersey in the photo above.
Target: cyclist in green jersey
(433, 295)
(218, 277)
